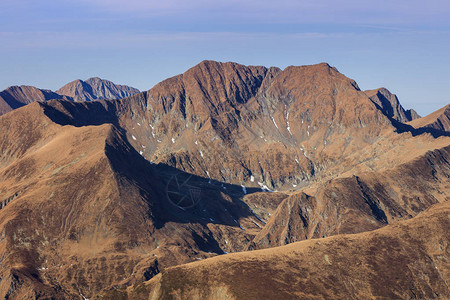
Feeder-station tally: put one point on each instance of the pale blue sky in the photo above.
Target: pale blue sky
(399, 44)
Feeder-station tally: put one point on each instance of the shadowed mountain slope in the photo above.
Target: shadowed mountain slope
(18, 96)
(388, 103)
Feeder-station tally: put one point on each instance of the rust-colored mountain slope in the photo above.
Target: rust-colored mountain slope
(18, 96)
(409, 259)
(246, 118)
(438, 120)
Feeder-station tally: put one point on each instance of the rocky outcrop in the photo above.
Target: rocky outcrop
(388, 103)
(94, 89)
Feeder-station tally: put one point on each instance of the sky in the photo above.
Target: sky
(402, 45)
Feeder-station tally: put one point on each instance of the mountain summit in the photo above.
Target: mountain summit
(94, 89)
(390, 106)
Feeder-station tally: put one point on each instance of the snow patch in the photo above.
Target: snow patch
(153, 134)
(201, 154)
(252, 179)
(140, 152)
(244, 190)
(264, 187)
(273, 120)
(173, 140)
(139, 124)
(196, 142)
(287, 123)
(134, 138)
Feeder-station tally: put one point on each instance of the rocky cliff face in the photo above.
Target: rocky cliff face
(94, 89)
(18, 96)
(388, 103)
(98, 196)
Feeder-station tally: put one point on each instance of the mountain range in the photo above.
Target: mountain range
(164, 194)
(78, 90)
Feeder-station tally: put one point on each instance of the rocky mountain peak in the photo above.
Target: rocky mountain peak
(95, 88)
(390, 106)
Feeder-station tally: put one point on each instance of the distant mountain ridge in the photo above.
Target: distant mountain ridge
(92, 89)
(18, 96)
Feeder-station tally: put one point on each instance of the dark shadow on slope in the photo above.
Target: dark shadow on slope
(402, 127)
(80, 114)
(98, 112)
(205, 200)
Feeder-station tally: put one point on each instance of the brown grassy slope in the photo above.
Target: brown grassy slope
(409, 259)
(439, 120)
(360, 203)
(81, 211)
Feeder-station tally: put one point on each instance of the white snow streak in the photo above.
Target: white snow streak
(273, 120)
(264, 187)
(134, 138)
(153, 134)
(252, 179)
(244, 190)
(287, 123)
